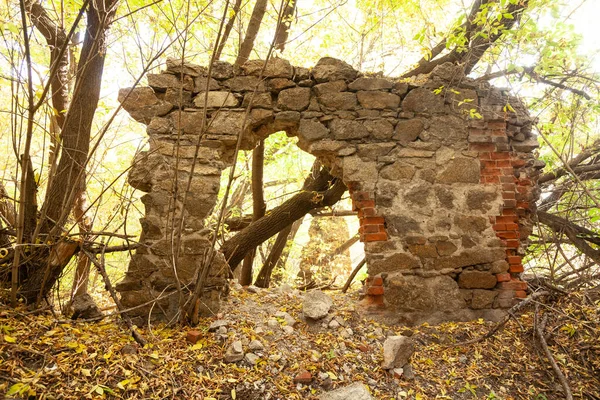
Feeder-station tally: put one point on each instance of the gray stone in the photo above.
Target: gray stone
(393, 262)
(142, 104)
(218, 324)
(415, 293)
(222, 70)
(378, 100)
(216, 100)
(286, 120)
(498, 267)
(413, 153)
(178, 66)
(400, 88)
(474, 256)
(200, 84)
(316, 304)
(371, 151)
(356, 170)
(325, 147)
(288, 330)
(245, 84)
(160, 82)
(179, 98)
(276, 85)
(312, 130)
(481, 198)
(421, 100)
(330, 87)
(460, 170)
(295, 99)
(483, 299)
(526, 146)
(356, 391)
(370, 84)
(397, 351)
(276, 68)
(379, 128)
(408, 130)
(338, 101)
(259, 100)
(331, 69)
(287, 318)
(408, 374)
(251, 358)
(256, 345)
(345, 130)
(476, 280)
(448, 72)
(471, 223)
(234, 353)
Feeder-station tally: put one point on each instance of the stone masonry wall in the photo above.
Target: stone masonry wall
(440, 171)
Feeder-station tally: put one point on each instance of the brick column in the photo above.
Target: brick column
(499, 166)
(372, 229)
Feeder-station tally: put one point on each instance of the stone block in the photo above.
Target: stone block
(397, 171)
(370, 84)
(330, 87)
(345, 130)
(421, 100)
(483, 299)
(476, 280)
(338, 101)
(331, 69)
(460, 170)
(295, 99)
(216, 100)
(378, 100)
(245, 84)
(379, 128)
(407, 131)
(275, 68)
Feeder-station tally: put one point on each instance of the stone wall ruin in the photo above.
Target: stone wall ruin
(440, 170)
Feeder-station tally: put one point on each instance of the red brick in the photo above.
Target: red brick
(520, 294)
(483, 147)
(496, 125)
(375, 290)
(372, 221)
(513, 244)
(518, 163)
(525, 182)
(501, 156)
(510, 203)
(359, 196)
(367, 212)
(363, 204)
(499, 227)
(498, 132)
(506, 219)
(485, 155)
(512, 227)
(376, 281)
(363, 347)
(371, 229)
(505, 277)
(374, 237)
(510, 252)
(503, 164)
(507, 179)
(372, 301)
(491, 171)
(514, 259)
(488, 164)
(507, 172)
(490, 179)
(523, 204)
(508, 235)
(477, 132)
(513, 285)
(509, 187)
(303, 377)
(352, 186)
(193, 336)
(509, 211)
(508, 195)
(516, 268)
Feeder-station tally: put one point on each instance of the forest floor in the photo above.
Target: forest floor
(46, 358)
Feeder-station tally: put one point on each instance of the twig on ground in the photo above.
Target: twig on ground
(353, 275)
(510, 313)
(100, 267)
(539, 331)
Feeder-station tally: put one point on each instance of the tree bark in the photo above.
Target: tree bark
(258, 204)
(477, 45)
(42, 271)
(322, 190)
(228, 28)
(283, 27)
(255, 20)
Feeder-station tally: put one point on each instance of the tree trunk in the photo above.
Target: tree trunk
(258, 205)
(264, 276)
(228, 28)
(82, 271)
(283, 27)
(255, 21)
(322, 190)
(42, 272)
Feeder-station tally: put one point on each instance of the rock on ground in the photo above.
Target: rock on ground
(316, 304)
(356, 391)
(397, 351)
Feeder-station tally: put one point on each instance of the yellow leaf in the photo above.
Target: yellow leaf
(121, 385)
(10, 339)
(154, 355)
(197, 346)
(72, 345)
(233, 395)
(86, 372)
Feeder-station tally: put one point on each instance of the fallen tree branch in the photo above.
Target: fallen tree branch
(539, 331)
(100, 267)
(509, 314)
(353, 275)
